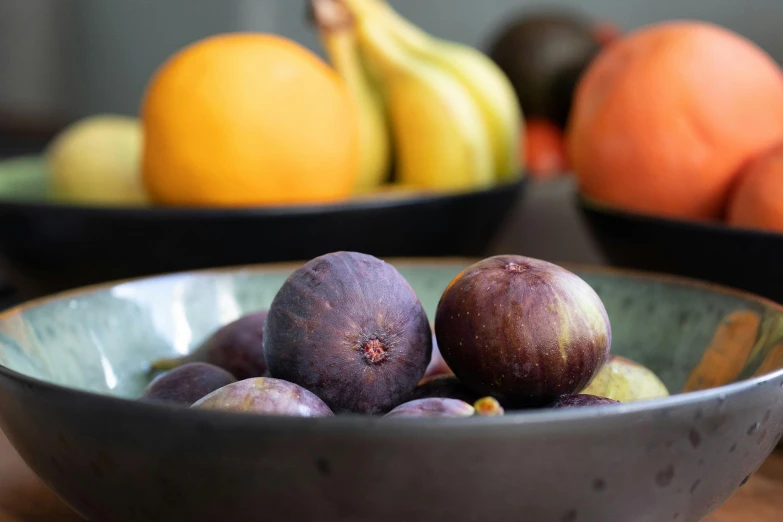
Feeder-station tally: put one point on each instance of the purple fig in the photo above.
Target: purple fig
(522, 330)
(437, 364)
(187, 384)
(444, 387)
(349, 328)
(432, 408)
(265, 396)
(578, 401)
(237, 347)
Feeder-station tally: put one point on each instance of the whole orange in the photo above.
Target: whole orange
(665, 117)
(248, 119)
(757, 201)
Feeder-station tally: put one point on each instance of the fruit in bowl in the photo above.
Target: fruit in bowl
(663, 121)
(69, 376)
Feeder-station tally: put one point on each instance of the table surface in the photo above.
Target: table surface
(23, 498)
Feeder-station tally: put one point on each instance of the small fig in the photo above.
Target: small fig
(237, 347)
(433, 408)
(187, 384)
(488, 407)
(265, 396)
(444, 387)
(626, 381)
(437, 365)
(349, 328)
(581, 400)
(522, 330)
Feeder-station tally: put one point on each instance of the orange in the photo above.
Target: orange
(757, 201)
(544, 149)
(664, 118)
(248, 119)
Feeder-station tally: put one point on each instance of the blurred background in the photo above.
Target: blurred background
(61, 60)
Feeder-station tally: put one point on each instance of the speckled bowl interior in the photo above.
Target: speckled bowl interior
(102, 340)
(109, 458)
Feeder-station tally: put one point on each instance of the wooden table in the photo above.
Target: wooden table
(23, 498)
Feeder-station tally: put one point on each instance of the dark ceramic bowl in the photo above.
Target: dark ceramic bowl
(742, 258)
(47, 246)
(73, 363)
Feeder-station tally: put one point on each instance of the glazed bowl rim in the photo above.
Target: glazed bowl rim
(357, 204)
(595, 205)
(530, 418)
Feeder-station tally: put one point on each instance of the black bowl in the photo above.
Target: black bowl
(47, 246)
(742, 258)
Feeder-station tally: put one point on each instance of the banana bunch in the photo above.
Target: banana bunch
(442, 113)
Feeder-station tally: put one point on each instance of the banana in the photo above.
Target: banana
(437, 127)
(338, 36)
(491, 89)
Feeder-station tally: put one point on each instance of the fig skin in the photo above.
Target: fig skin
(582, 400)
(432, 408)
(522, 330)
(237, 347)
(187, 384)
(265, 396)
(437, 365)
(624, 380)
(349, 328)
(444, 387)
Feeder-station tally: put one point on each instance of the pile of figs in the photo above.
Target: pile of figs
(346, 334)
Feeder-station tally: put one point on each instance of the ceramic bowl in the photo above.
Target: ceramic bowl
(47, 245)
(737, 257)
(72, 365)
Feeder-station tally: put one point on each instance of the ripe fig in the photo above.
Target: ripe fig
(349, 328)
(265, 396)
(522, 330)
(187, 384)
(444, 387)
(626, 381)
(433, 408)
(488, 407)
(581, 400)
(236, 347)
(437, 365)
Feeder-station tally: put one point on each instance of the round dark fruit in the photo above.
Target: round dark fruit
(581, 400)
(444, 387)
(544, 55)
(265, 396)
(237, 347)
(187, 384)
(522, 330)
(349, 328)
(434, 407)
(488, 407)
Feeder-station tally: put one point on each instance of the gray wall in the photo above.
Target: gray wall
(76, 57)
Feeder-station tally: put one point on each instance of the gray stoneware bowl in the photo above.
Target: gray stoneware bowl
(73, 363)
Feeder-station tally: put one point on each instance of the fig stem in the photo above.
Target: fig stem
(162, 365)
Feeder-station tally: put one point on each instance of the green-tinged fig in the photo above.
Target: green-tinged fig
(488, 407)
(435, 407)
(582, 400)
(265, 396)
(349, 328)
(237, 347)
(626, 381)
(444, 387)
(522, 330)
(187, 384)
